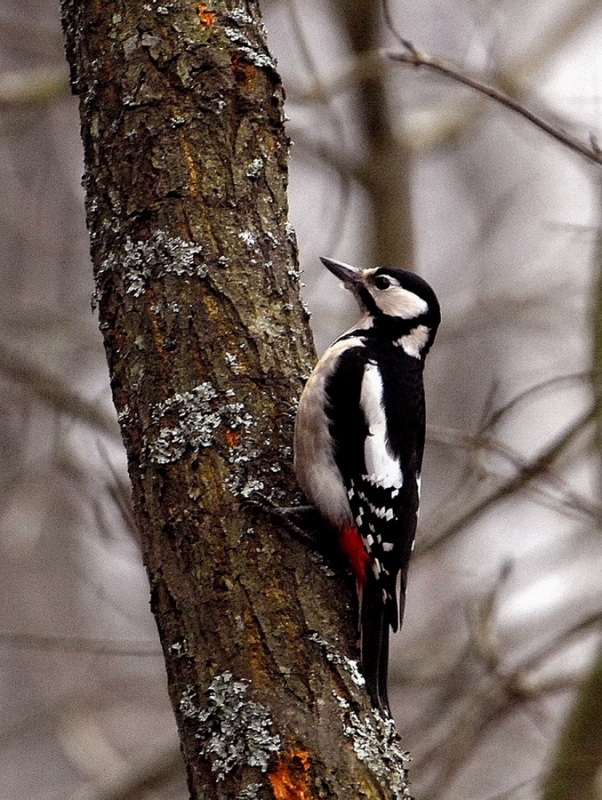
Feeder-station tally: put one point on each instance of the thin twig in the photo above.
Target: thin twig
(508, 793)
(105, 647)
(516, 482)
(138, 781)
(556, 491)
(527, 394)
(551, 648)
(53, 392)
(416, 58)
(493, 699)
(392, 27)
(33, 87)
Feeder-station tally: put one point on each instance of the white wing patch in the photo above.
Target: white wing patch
(381, 467)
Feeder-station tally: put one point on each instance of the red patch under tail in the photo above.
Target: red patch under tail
(353, 548)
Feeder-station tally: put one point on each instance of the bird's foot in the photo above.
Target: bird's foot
(303, 522)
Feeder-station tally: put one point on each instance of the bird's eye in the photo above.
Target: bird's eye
(382, 282)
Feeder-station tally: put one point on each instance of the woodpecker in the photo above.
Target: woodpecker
(359, 439)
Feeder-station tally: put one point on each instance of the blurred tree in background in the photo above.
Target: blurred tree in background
(390, 164)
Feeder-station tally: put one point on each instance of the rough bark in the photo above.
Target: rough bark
(207, 345)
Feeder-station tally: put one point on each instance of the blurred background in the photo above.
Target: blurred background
(408, 169)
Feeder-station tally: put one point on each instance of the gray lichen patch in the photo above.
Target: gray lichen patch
(241, 486)
(179, 648)
(248, 237)
(232, 362)
(188, 421)
(188, 705)
(349, 666)
(242, 32)
(232, 730)
(141, 261)
(376, 743)
(250, 792)
(255, 168)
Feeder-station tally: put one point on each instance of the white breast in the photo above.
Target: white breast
(317, 472)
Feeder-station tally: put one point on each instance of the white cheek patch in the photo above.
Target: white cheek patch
(398, 302)
(414, 342)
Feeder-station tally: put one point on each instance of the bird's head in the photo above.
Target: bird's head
(397, 303)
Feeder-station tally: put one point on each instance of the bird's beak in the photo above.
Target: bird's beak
(350, 276)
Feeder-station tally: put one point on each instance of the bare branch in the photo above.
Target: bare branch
(104, 647)
(509, 793)
(392, 27)
(417, 58)
(139, 781)
(33, 87)
(554, 382)
(525, 475)
(52, 391)
(498, 692)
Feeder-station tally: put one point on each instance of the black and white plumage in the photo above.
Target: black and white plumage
(359, 439)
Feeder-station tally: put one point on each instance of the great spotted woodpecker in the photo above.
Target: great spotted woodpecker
(359, 439)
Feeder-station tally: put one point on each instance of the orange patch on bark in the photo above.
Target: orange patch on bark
(193, 175)
(290, 777)
(206, 17)
(232, 438)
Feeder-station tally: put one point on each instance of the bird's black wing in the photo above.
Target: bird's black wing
(376, 411)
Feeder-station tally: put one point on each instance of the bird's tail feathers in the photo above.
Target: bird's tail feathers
(374, 628)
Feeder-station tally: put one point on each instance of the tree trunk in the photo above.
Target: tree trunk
(208, 345)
